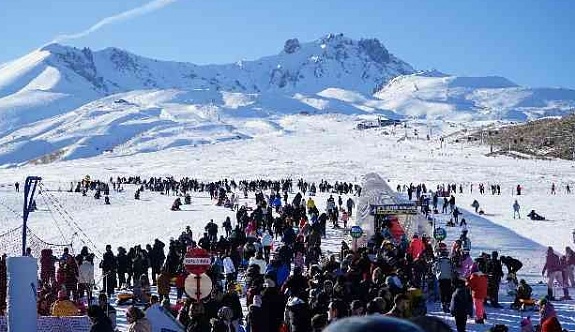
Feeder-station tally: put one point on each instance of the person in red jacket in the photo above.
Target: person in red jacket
(416, 247)
(477, 282)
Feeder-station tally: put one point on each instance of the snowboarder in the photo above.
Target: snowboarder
(516, 209)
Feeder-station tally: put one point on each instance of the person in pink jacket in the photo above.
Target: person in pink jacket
(554, 273)
(465, 267)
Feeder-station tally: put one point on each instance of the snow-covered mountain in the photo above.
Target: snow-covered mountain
(55, 79)
(61, 102)
(436, 95)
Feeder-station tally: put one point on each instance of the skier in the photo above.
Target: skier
(17, 186)
(516, 210)
(518, 190)
(553, 192)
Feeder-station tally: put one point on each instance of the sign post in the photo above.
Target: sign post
(197, 261)
(355, 232)
(439, 234)
(198, 286)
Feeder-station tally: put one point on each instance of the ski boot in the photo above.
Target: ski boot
(566, 294)
(550, 296)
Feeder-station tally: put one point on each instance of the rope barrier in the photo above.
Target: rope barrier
(11, 210)
(52, 215)
(71, 222)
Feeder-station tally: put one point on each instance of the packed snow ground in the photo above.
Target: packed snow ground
(316, 147)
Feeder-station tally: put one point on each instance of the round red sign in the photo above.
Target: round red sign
(197, 260)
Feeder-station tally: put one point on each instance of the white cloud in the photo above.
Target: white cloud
(124, 16)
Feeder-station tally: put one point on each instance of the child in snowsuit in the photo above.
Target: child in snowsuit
(478, 284)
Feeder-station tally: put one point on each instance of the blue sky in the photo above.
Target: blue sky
(530, 42)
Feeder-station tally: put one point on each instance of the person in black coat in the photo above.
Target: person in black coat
(157, 258)
(461, 305)
(100, 322)
(273, 305)
(254, 317)
(513, 265)
(297, 314)
(198, 320)
(109, 266)
(494, 274)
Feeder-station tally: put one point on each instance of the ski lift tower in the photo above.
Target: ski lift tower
(29, 190)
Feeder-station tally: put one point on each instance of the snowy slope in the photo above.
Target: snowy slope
(151, 120)
(317, 147)
(439, 96)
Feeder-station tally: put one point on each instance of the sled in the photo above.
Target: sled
(124, 296)
(527, 304)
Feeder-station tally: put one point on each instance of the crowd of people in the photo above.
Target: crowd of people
(271, 255)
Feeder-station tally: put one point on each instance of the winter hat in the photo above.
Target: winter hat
(474, 268)
(62, 295)
(526, 325)
(225, 313)
(257, 301)
(269, 283)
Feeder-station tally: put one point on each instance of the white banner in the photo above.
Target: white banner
(56, 324)
(197, 261)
